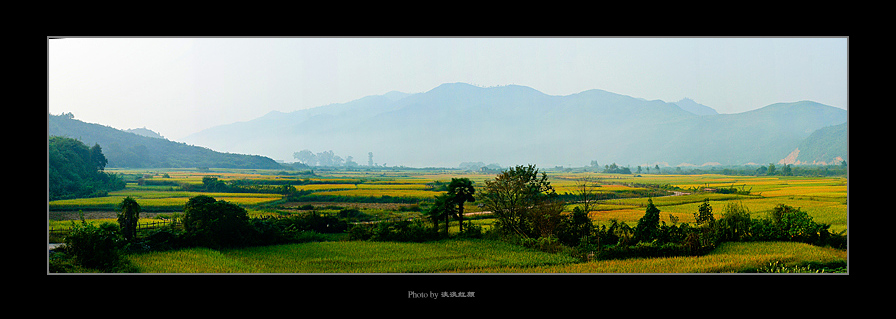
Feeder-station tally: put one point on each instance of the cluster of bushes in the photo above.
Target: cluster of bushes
(213, 184)
(220, 224)
(206, 222)
(783, 223)
(404, 231)
(654, 238)
(408, 231)
(89, 246)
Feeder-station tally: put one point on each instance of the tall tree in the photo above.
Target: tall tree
(128, 216)
(587, 196)
(518, 196)
(443, 207)
(460, 191)
(97, 157)
(648, 227)
(704, 213)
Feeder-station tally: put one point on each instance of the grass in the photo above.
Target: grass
(728, 258)
(466, 256)
(350, 257)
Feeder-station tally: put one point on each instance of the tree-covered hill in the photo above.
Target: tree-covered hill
(74, 170)
(826, 145)
(124, 149)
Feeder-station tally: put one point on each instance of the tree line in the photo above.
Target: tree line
(327, 159)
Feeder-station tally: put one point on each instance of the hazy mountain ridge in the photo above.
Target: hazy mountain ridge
(509, 125)
(125, 149)
(143, 131)
(690, 105)
(827, 145)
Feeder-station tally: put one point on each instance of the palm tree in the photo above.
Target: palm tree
(127, 219)
(461, 190)
(442, 208)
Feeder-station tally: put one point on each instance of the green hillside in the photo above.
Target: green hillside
(75, 170)
(825, 145)
(124, 149)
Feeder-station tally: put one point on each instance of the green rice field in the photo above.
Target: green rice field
(463, 256)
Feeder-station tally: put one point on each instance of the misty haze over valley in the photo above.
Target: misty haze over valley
(510, 125)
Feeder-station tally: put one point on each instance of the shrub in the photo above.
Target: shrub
(648, 227)
(314, 221)
(735, 223)
(95, 247)
(545, 244)
(574, 226)
(400, 231)
(212, 223)
(163, 239)
(471, 230)
(360, 232)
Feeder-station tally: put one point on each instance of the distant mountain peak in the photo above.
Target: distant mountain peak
(143, 131)
(461, 122)
(395, 95)
(692, 106)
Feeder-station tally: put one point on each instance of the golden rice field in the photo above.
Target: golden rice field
(463, 256)
(150, 198)
(825, 199)
(729, 257)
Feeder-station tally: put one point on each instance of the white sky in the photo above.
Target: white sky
(179, 86)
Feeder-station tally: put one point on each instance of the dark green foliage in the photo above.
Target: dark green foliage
(735, 223)
(648, 227)
(545, 244)
(574, 227)
(786, 223)
(213, 223)
(704, 213)
(647, 250)
(442, 209)
(353, 214)
(316, 222)
(400, 231)
(128, 216)
(615, 169)
(471, 230)
(212, 184)
(526, 204)
(74, 170)
(461, 190)
(163, 239)
(95, 247)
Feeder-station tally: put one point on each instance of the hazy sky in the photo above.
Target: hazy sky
(179, 86)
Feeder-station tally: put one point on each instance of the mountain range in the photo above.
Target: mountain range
(133, 150)
(513, 125)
